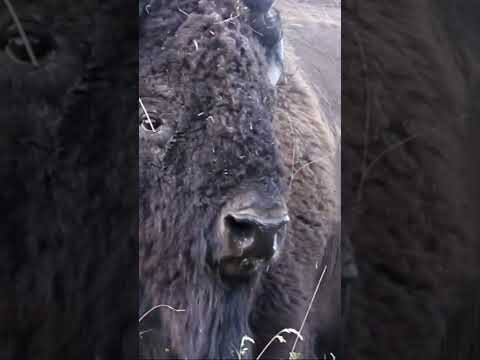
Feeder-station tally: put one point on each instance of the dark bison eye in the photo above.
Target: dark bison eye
(150, 122)
(148, 117)
(154, 131)
(41, 45)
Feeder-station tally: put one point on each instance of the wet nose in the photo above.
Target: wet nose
(251, 238)
(253, 235)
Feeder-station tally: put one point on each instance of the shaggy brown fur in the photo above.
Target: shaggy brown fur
(242, 139)
(409, 119)
(314, 207)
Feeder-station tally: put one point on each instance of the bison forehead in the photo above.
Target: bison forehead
(210, 43)
(213, 64)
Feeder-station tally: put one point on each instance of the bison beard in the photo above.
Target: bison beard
(218, 317)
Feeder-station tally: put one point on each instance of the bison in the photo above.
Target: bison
(68, 171)
(238, 210)
(410, 179)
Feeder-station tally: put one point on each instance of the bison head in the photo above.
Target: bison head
(212, 201)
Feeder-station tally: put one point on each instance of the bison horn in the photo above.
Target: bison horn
(261, 6)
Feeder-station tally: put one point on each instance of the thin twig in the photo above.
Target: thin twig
(278, 336)
(366, 132)
(146, 114)
(294, 149)
(231, 18)
(141, 333)
(309, 309)
(157, 307)
(303, 167)
(183, 12)
(380, 156)
(19, 26)
(255, 31)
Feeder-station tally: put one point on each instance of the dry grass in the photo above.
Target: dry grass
(149, 120)
(158, 307)
(279, 336)
(244, 347)
(171, 308)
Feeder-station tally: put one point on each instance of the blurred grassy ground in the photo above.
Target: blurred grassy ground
(313, 28)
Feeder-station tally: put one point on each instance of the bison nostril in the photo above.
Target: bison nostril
(253, 237)
(240, 233)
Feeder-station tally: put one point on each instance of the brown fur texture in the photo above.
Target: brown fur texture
(308, 148)
(243, 139)
(408, 130)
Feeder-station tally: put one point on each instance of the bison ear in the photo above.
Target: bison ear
(261, 6)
